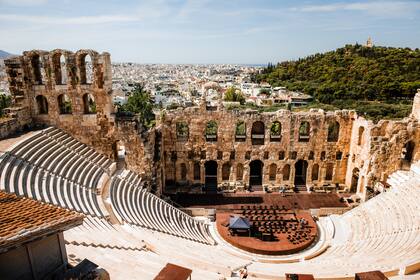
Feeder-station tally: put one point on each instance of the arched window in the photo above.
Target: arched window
(329, 172)
(286, 172)
(60, 69)
(304, 130)
(225, 171)
(361, 136)
(333, 131)
(197, 171)
(408, 151)
(183, 172)
(64, 104)
(42, 104)
(257, 133)
(272, 172)
(240, 131)
(89, 105)
(322, 156)
(85, 69)
(211, 131)
(36, 69)
(182, 131)
(315, 172)
(239, 172)
(275, 132)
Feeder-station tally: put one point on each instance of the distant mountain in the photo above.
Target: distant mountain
(4, 54)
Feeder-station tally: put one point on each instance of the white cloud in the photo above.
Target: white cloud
(82, 20)
(379, 8)
(23, 2)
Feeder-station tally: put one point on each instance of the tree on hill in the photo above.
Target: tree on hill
(233, 94)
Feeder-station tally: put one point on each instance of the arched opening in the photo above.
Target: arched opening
(286, 172)
(182, 131)
(64, 104)
(333, 131)
(408, 151)
(301, 167)
(239, 172)
(210, 172)
(89, 105)
(60, 69)
(257, 133)
(275, 132)
(183, 172)
(329, 172)
(354, 180)
(272, 172)
(211, 131)
(361, 136)
(240, 131)
(197, 171)
(304, 130)
(119, 151)
(255, 173)
(225, 171)
(315, 172)
(85, 69)
(42, 104)
(37, 69)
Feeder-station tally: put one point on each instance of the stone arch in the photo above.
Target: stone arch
(272, 172)
(64, 104)
(59, 64)
(408, 151)
(286, 172)
(315, 172)
(197, 171)
(240, 131)
(183, 171)
(333, 131)
(258, 133)
(275, 131)
(225, 171)
(304, 131)
(42, 104)
(86, 65)
(354, 180)
(361, 136)
(301, 168)
(211, 130)
(89, 104)
(36, 64)
(239, 172)
(329, 172)
(210, 172)
(255, 173)
(182, 131)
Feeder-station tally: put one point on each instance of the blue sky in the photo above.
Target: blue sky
(206, 31)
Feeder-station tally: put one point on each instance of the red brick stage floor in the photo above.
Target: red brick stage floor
(299, 238)
(235, 201)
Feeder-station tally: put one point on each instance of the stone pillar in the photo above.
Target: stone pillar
(416, 106)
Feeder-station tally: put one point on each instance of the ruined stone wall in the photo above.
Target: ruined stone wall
(39, 74)
(287, 150)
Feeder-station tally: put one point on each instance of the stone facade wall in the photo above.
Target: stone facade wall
(227, 150)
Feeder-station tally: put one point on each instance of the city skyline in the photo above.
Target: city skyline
(206, 32)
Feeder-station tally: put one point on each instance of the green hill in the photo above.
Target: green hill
(378, 82)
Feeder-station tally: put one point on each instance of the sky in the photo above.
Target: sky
(206, 31)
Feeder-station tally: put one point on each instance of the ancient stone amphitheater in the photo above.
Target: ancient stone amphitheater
(68, 156)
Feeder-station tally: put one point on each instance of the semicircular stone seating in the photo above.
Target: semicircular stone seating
(135, 205)
(53, 167)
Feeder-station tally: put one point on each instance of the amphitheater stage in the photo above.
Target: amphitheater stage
(234, 201)
(290, 239)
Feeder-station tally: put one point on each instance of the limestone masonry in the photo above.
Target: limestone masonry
(215, 147)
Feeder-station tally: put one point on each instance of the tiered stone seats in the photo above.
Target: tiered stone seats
(47, 167)
(135, 205)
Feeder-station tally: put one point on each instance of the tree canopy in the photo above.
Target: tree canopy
(139, 103)
(233, 94)
(5, 101)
